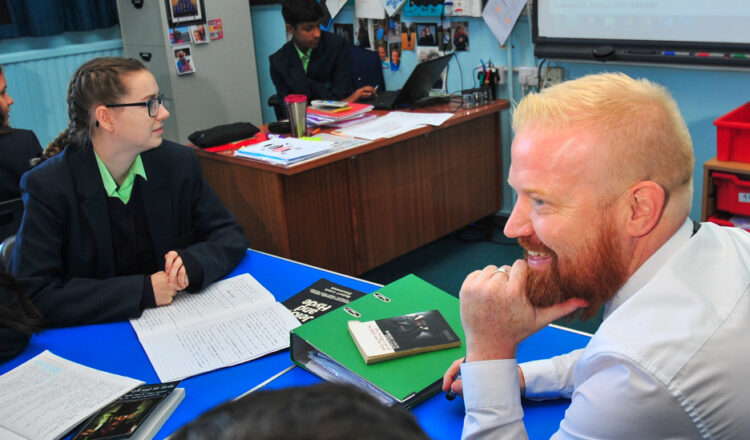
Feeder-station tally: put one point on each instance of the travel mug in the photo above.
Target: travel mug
(296, 108)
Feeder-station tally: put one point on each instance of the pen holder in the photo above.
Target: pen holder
(296, 106)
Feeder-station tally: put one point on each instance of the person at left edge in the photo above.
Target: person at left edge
(117, 219)
(17, 148)
(314, 63)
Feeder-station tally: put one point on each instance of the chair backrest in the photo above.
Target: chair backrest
(367, 69)
(11, 212)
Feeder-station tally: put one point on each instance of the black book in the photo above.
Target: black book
(320, 298)
(138, 415)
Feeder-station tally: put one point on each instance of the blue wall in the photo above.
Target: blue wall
(703, 94)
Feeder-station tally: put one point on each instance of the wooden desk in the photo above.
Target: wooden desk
(356, 209)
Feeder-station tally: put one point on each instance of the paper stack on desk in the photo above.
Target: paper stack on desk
(322, 116)
(284, 151)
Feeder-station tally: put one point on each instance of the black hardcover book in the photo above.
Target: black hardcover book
(320, 298)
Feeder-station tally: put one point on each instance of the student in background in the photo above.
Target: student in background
(117, 219)
(603, 169)
(314, 63)
(325, 411)
(17, 148)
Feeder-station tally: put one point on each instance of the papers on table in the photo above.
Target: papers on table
(47, 396)
(339, 143)
(284, 151)
(393, 124)
(227, 323)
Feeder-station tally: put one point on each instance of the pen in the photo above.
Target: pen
(450, 394)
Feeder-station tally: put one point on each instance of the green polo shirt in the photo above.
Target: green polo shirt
(125, 190)
(303, 56)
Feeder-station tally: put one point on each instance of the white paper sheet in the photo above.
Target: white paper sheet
(230, 322)
(501, 16)
(369, 9)
(47, 396)
(386, 126)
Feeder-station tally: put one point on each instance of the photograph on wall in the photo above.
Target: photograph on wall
(382, 50)
(183, 60)
(185, 12)
(394, 50)
(215, 29)
(363, 31)
(460, 35)
(198, 33)
(426, 32)
(380, 29)
(408, 35)
(344, 30)
(445, 42)
(179, 35)
(394, 30)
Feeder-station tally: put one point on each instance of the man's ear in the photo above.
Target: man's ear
(103, 117)
(289, 28)
(646, 203)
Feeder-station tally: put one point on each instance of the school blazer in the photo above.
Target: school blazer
(17, 148)
(328, 72)
(64, 253)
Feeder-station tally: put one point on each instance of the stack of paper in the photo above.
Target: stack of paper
(393, 124)
(284, 151)
(325, 116)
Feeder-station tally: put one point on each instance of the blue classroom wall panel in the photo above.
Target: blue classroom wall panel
(703, 94)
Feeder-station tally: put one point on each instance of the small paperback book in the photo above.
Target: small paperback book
(138, 414)
(403, 335)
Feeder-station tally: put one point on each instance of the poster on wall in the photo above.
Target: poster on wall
(185, 12)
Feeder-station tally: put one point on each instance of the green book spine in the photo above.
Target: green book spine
(399, 377)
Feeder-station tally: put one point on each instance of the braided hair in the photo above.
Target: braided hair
(98, 81)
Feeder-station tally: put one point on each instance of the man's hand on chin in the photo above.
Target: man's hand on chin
(496, 314)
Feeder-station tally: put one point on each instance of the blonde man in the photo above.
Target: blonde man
(603, 170)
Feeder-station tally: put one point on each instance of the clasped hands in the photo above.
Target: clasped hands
(171, 280)
(496, 316)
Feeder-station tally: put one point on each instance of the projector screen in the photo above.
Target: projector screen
(662, 31)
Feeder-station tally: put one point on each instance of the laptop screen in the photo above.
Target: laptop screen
(422, 78)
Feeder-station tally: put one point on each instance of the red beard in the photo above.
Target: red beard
(595, 274)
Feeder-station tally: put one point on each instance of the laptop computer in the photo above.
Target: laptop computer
(416, 87)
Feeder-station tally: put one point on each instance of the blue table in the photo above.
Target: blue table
(115, 348)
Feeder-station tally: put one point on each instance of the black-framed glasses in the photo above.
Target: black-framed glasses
(152, 105)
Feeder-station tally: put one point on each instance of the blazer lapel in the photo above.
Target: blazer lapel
(93, 202)
(299, 77)
(157, 204)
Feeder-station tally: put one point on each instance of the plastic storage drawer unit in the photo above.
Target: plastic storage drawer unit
(732, 193)
(733, 135)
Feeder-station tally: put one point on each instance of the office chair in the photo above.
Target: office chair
(366, 71)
